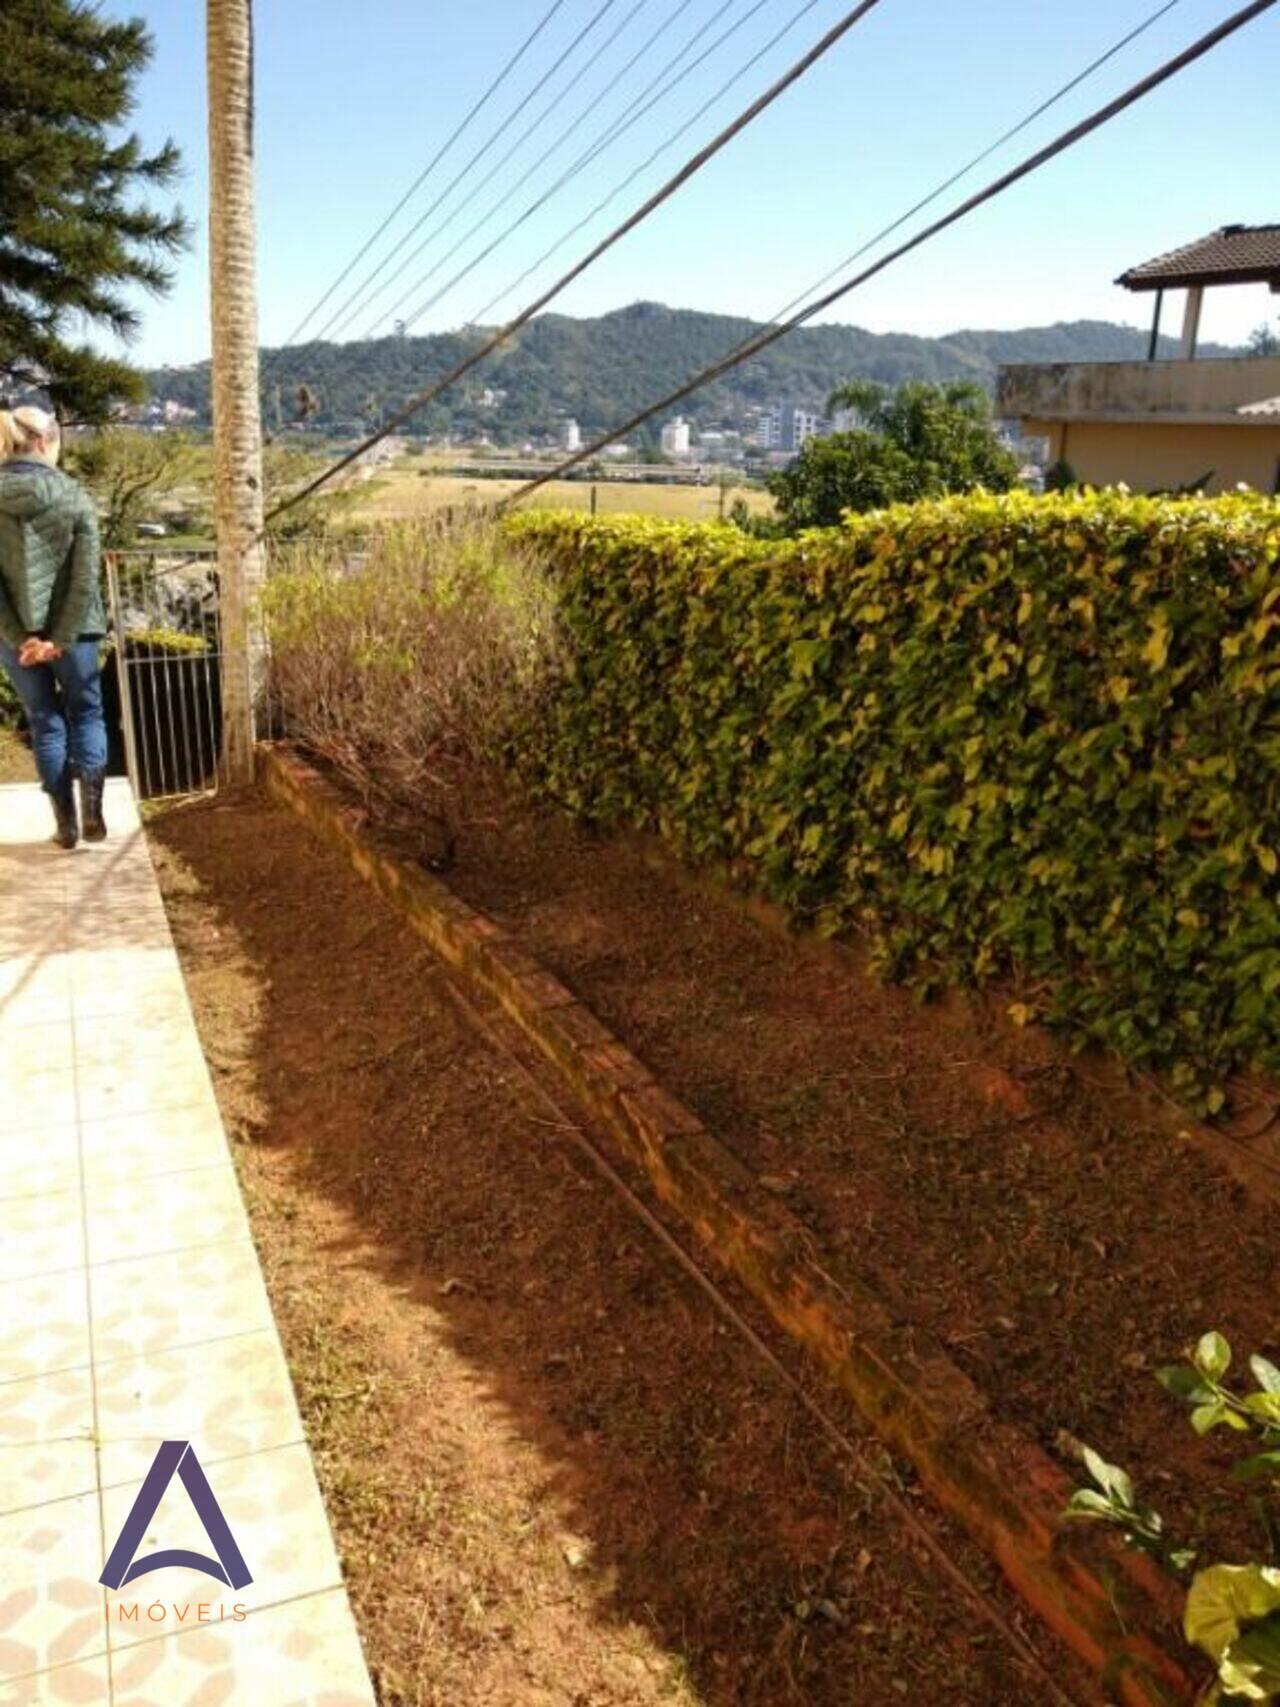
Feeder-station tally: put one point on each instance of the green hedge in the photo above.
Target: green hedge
(1037, 736)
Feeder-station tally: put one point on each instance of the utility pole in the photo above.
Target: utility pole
(237, 423)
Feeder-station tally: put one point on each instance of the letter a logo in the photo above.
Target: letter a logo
(175, 1457)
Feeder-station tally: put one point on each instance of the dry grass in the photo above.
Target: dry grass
(412, 490)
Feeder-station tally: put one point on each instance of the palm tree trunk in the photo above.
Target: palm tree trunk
(237, 425)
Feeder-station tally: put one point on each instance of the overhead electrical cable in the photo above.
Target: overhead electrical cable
(472, 113)
(1006, 136)
(1033, 162)
(669, 142)
(691, 167)
(941, 189)
(515, 149)
(662, 148)
(611, 132)
(475, 159)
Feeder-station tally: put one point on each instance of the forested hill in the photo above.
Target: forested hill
(601, 371)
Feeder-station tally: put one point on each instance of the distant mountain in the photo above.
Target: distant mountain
(603, 370)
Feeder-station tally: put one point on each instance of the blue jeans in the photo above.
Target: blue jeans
(63, 703)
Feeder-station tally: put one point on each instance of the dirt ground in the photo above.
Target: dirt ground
(554, 1475)
(1055, 1232)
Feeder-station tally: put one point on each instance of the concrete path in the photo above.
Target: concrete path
(133, 1313)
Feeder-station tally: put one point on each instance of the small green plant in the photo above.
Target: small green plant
(1232, 1611)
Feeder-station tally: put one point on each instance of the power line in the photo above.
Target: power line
(1006, 136)
(902, 219)
(617, 127)
(690, 168)
(473, 113)
(475, 159)
(630, 116)
(771, 335)
(494, 170)
(1014, 130)
(631, 177)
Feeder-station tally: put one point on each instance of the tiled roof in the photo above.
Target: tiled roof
(1268, 406)
(1236, 254)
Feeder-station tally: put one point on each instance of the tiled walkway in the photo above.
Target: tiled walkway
(132, 1311)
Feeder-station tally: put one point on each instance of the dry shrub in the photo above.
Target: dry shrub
(406, 664)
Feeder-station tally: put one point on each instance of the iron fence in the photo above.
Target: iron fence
(162, 675)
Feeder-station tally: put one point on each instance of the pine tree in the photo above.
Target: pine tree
(75, 239)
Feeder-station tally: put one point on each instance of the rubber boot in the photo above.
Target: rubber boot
(67, 833)
(93, 826)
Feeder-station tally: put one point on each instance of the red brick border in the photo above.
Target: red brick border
(1112, 1606)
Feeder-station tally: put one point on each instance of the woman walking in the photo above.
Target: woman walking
(51, 618)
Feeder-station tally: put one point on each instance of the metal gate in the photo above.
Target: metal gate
(165, 662)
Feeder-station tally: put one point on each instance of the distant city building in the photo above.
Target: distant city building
(570, 435)
(675, 437)
(786, 427)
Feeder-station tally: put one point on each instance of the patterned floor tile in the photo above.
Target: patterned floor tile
(130, 1008)
(158, 1141)
(44, 1324)
(46, 1439)
(164, 1212)
(172, 1034)
(51, 1605)
(34, 1163)
(36, 1100)
(229, 1396)
(41, 1234)
(136, 1084)
(155, 1303)
(306, 1654)
(36, 1048)
(33, 993)
(69, 1686)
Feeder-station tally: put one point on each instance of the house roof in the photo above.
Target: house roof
(1234, 254)
(1268, 406)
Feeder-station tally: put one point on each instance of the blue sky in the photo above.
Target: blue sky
(353, 101)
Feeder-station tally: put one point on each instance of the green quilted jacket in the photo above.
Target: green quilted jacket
(50, 565)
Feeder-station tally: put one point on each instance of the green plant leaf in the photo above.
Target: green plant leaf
(1223, 1600)
(1184, 1383)
(1109, 1477)
(1260, 1464)
(1265, 1373)
(1087, 1502)
(1250, 1668)
(1212, 1356)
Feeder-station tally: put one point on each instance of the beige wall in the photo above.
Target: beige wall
(1207, 391)
(1147, 456)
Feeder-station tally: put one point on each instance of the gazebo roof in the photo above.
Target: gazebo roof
(1234, 254)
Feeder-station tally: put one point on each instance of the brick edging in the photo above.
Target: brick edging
(1113, 1607)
